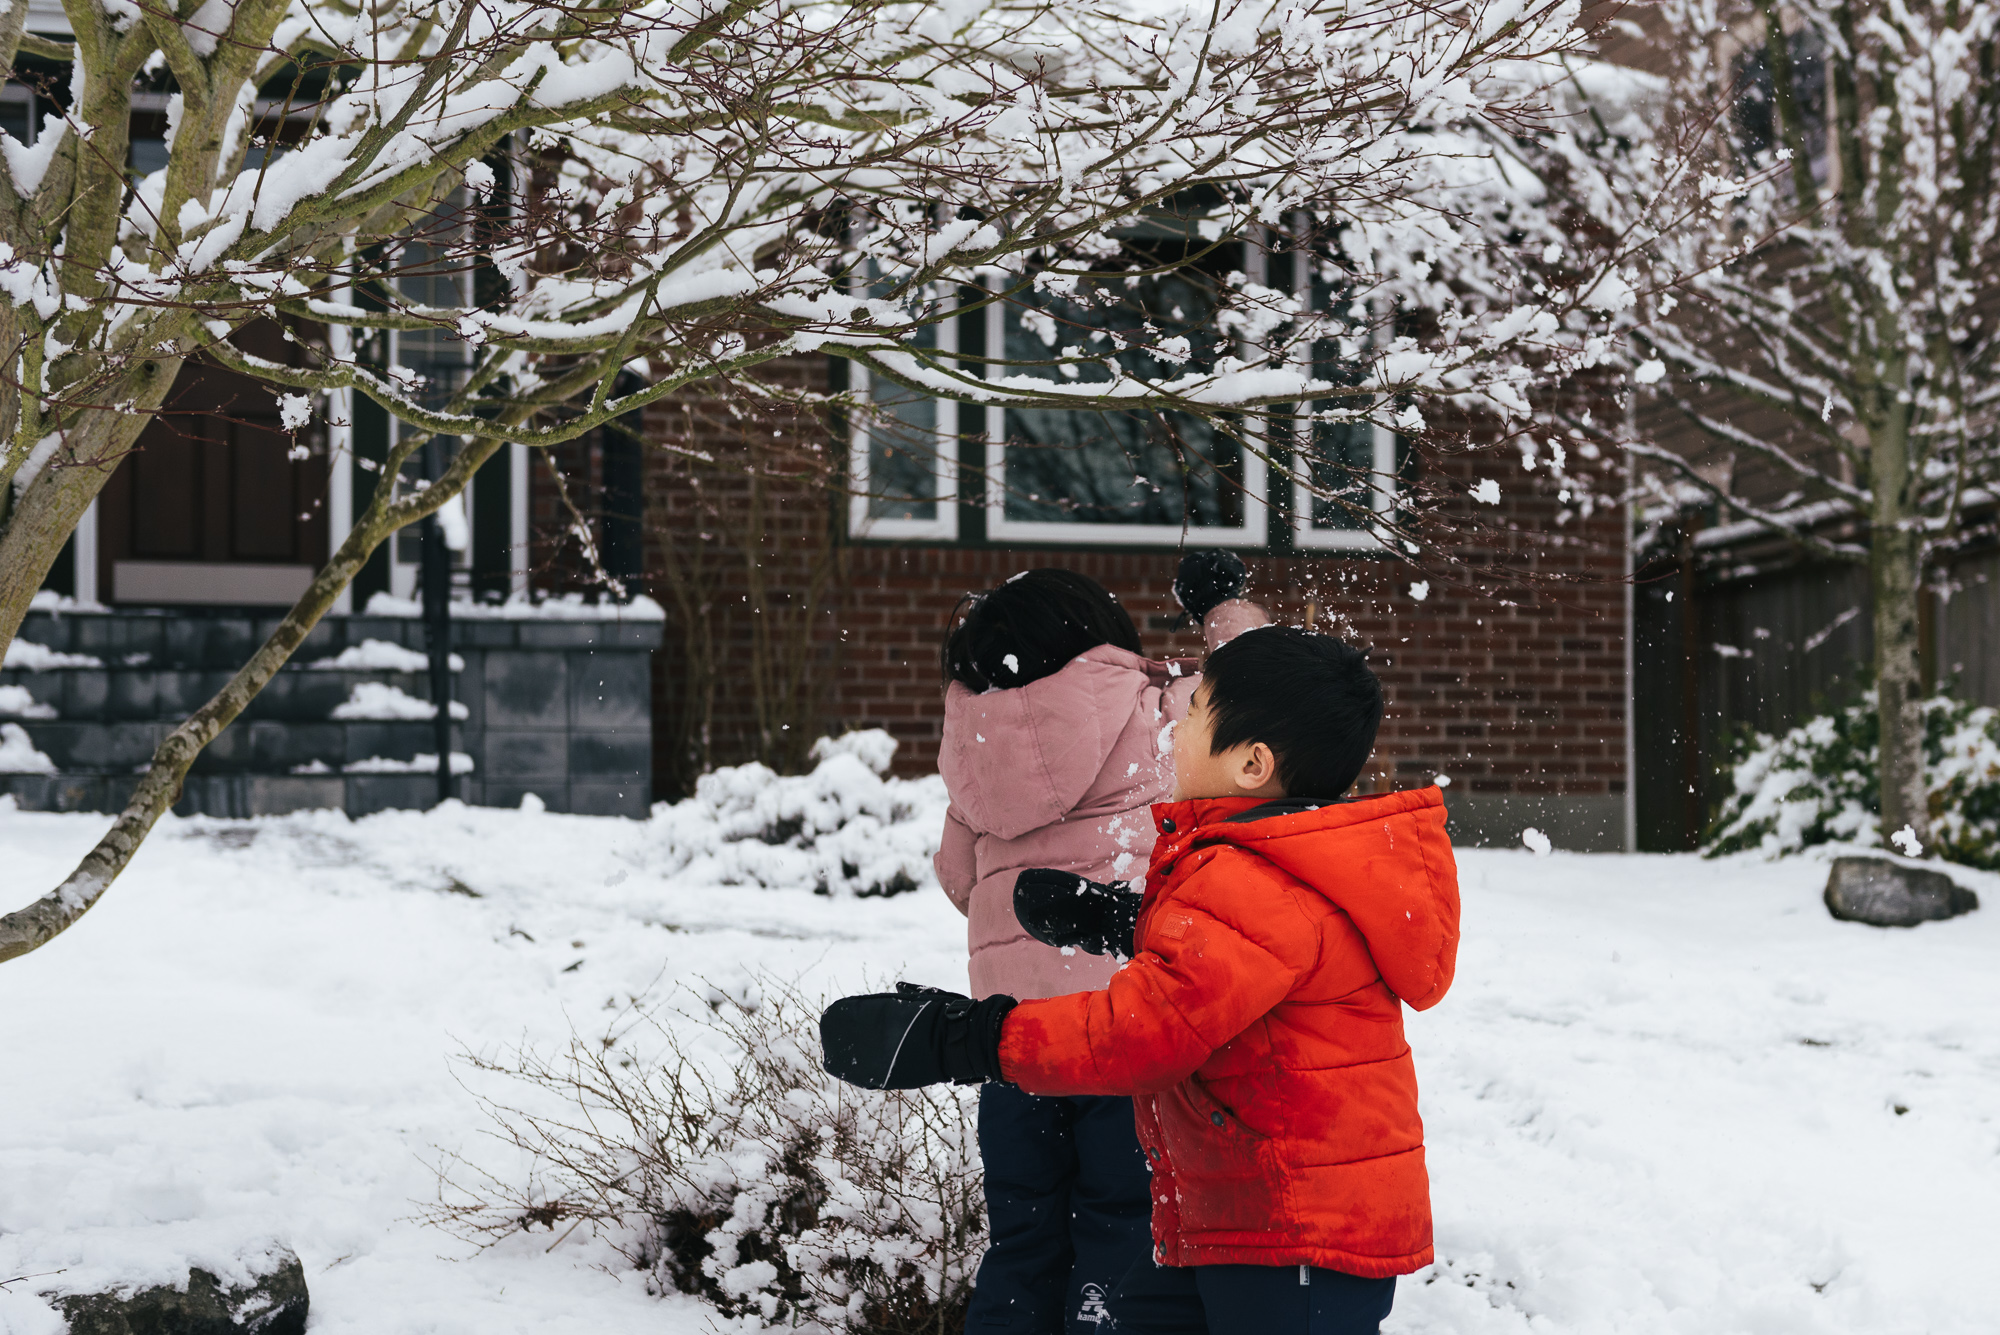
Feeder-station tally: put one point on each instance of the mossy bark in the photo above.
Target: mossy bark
(159, 787)
(1895, 579)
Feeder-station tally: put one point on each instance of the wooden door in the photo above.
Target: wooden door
(216, 503)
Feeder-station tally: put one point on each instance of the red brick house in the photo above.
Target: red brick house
(815, 596)
(1510, 676)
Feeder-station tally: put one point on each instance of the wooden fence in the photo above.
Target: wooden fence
(1720, 651)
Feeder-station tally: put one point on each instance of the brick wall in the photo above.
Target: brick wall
(1509, 677)
(1511, 682)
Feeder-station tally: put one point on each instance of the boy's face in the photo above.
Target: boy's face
(1248, 769)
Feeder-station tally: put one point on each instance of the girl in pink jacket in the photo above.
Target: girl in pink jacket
(1057, 740)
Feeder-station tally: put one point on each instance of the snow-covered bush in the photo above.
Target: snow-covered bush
(726, 1162)
(843, 829)
(1817, 784)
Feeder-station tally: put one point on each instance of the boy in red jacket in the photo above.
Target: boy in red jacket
(1258, 1026)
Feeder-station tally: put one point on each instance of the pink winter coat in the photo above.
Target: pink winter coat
(1059, 773)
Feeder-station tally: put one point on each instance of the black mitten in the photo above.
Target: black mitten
(912, 1037)
(1060, 908)
(1208, 578)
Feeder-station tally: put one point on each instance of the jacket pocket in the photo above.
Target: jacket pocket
(1226, 1172)
(1219, 1114)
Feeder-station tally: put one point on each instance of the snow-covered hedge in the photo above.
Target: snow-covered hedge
(1817, 784)
(709, 1147)
(821, 1206)
(702, 1138)
(844, 829)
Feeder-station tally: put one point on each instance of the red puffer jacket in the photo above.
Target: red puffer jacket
(1261, 1031)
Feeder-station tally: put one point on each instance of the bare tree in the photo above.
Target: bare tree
(703, 189)
(749, 563)
(1804, 194)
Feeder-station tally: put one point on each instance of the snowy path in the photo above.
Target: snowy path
(1662, 1097)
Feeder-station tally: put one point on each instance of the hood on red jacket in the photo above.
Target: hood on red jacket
(1385, 861)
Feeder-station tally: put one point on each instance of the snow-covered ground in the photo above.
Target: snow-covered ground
(1666, 1095)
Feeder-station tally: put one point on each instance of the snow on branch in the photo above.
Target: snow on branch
(685, 192)
(1819, 210)
(1797, 524)
(1004, 137)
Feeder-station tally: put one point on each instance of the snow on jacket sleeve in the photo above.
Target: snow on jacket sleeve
(1225, 621)
(1216, 955)
(957, 870)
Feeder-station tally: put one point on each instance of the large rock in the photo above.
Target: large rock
(273, 1304)
(1890, 894)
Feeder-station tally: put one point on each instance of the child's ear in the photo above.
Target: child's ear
(1260, 767)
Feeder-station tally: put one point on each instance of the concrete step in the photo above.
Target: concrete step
(139, 694)
(559, 709)
(231, 794)
(222, 642)
(248, 746)
(134, 638)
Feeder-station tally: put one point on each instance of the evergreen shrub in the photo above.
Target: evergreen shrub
(1817, 784)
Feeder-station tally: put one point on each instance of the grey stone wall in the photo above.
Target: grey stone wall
(559, 709)
(1578, 822)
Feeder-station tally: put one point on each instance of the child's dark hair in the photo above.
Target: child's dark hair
(1311, 698)
(1029, 627)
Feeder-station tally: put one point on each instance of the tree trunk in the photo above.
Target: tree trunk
(159, 787)
(46, 514)
(1894, 568)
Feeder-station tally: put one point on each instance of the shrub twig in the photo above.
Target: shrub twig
(708, 1147)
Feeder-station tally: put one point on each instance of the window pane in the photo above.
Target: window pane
(1756, 110)
(1340, 464)
(148, 155)
(1121, 467)
(903, 445)
(431, 270)
(1340, 472)
(17, 114)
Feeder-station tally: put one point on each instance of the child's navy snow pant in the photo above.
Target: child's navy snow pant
(1069, 1202)
(1248, 1300)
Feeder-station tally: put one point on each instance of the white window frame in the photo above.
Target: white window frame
(404, 575)
(1307, 535)
(943, 527)
(1254, 531)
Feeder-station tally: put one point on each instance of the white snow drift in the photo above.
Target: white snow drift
(1665, 1095)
